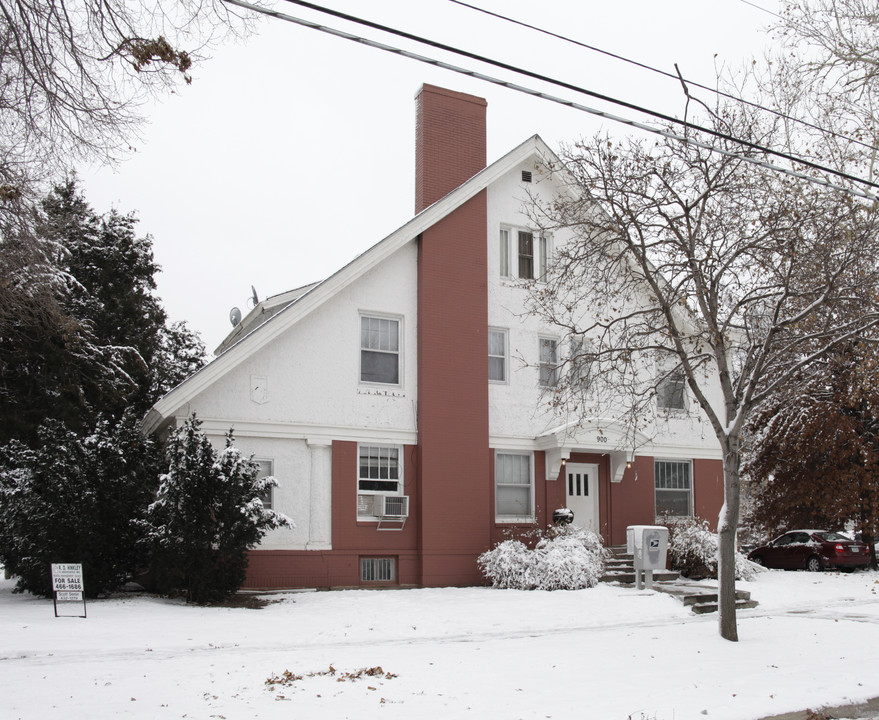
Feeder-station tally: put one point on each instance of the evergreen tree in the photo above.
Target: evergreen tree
(76, 498)
(207, 515)
(81, 330)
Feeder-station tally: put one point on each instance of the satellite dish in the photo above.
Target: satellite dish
(234, 316)
(255, 298)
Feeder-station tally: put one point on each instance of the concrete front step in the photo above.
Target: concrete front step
(697, 598)
(620, 569)
(628, 576)
(701, 599)
(708, 607)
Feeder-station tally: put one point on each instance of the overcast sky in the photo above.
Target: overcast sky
(293, 151)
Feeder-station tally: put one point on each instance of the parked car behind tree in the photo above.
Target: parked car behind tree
(812, 550)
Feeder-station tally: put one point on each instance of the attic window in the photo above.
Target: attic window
(526, 176)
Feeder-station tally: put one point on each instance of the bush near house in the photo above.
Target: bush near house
(77, 498)
(564, 558)
(692, 551)
(206, 516)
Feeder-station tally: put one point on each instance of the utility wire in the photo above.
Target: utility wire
(561, 101)
(665, 73)
(759, 7)
(569, 86)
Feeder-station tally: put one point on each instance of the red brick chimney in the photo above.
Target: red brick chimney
(449, 142)
(454, 509)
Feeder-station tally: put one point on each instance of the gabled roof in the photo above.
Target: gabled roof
(261, 334)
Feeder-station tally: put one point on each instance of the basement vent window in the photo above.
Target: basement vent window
(526, 176)
(377, 569)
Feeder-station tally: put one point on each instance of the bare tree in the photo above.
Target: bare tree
(834, 40)
(826, 72)
(73, 75)
(696, 268)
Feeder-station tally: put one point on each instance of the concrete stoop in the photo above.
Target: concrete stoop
(701, 599)
(620, 568)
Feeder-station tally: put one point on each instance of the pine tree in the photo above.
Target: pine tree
(82, 332)
(207, 515)
(76, 498)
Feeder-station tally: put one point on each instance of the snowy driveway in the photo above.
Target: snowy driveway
(446, 653)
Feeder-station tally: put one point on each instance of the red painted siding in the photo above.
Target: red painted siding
(632, 500)
(351, 539)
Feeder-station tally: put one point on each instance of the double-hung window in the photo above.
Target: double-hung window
(671, 393)
(524, 254)
(674, 488)
(379, 473)
(513, 487)
(549, 361)
(379, 350)
(497, 355)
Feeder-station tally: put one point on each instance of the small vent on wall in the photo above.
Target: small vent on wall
(526, 176)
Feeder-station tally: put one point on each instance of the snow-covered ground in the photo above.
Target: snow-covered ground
(603, 653)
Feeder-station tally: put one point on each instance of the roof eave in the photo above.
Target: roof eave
(266, 332)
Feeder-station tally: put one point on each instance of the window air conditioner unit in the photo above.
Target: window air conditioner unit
(392, 506)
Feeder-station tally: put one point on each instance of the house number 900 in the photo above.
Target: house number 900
(601, 439)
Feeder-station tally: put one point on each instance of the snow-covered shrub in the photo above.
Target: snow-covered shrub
(206, 516)
(565, 558)
(76, 498)
(509, 564)
(692, 551)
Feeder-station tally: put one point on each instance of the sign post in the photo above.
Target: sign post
(68, 588)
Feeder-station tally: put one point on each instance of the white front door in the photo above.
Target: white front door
(582, 494)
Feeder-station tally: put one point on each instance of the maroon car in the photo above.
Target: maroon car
(811, 550)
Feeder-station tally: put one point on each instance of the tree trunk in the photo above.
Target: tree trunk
(728, 522)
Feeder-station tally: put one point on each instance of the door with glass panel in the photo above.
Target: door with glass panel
(581, 490)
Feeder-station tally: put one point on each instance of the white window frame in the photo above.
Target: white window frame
(657, 491)
(365, 496)
(398, 352)
(668, 373)
(268, 499)
(509, 260)
(548, 371)
(506, 355)
(510, 517)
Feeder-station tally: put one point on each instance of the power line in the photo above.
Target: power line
(562, 101)
(665, 73)
(574, 88)
(755, 5)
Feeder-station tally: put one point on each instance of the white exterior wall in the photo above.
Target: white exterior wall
(287, 402)
(517, 414)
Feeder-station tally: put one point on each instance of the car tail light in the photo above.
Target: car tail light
(840, 549)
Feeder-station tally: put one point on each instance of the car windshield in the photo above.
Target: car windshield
(833, 537)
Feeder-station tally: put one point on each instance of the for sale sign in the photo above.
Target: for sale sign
(68, 587)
